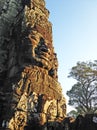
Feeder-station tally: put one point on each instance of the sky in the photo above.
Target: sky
(74, 26)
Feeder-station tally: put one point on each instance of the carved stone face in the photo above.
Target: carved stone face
(34, 97)
(52, 110)
(41, 49)
(20, 118)
(62, 107)
(18, 121)
(42, 54)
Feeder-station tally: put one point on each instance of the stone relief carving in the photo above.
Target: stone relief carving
(28, 66)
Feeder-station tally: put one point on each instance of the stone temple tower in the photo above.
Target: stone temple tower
(30, 94)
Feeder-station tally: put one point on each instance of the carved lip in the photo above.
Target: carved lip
(43, 57)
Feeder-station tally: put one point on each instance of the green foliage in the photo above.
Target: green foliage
(73, 114)
(83, 94)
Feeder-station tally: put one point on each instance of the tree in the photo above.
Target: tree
(83, 94)
(73, 114)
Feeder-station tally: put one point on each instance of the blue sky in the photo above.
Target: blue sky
(74, 35)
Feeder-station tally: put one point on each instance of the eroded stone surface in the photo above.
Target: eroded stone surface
(29, 89)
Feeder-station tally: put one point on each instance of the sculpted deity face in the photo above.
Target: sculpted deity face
(41, 49)
(42, 54)
(52, 111)
(34, 97)
(62, 107)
